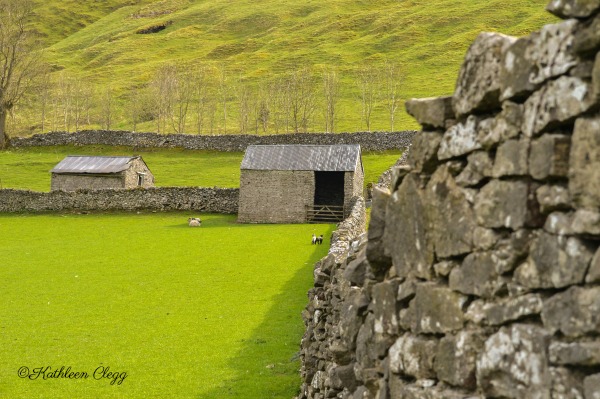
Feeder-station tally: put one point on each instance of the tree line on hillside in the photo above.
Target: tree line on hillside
(202, 99)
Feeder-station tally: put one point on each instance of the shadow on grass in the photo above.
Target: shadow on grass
(267, 366)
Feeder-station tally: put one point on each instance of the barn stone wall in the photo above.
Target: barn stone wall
(369, 141)
(480, 277)
(353, 185)
(214, 200)
(278, 196)
(72, 182)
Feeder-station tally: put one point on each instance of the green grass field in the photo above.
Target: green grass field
(261, 40)
(28, 168)
(210, 312)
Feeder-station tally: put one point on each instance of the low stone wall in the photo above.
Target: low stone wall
(369, 141)
(480, 277)
(211, 200)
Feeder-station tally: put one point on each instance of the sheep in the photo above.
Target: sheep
(194, 222)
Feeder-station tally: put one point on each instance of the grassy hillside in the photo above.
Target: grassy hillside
(261, 39)
(209, 313)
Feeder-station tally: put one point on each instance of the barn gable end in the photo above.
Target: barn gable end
(279, 183)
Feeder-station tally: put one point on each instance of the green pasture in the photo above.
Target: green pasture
(28, 168)
(210, 312)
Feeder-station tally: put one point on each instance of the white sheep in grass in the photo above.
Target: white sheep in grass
(194, 222)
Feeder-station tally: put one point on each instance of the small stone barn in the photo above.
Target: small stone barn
(77, 172)
(299, 183)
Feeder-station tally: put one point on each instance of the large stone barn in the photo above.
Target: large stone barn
(77, 172)
(299, 183)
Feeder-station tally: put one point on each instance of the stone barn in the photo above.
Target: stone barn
(299, 183)
(100, 172)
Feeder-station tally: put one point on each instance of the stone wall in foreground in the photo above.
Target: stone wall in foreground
(480, 277)
(201, 199)
(369, 141)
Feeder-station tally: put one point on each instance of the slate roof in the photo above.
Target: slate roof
(330, 158)
(92, 164)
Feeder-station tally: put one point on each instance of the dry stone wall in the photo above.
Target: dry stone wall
(480, 274)
(369, 141)
(214, 200)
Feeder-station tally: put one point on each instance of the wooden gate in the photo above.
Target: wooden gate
(325, 213)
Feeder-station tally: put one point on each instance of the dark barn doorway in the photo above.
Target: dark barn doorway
(329, 188)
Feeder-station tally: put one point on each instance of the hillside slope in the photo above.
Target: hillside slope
(261, 39)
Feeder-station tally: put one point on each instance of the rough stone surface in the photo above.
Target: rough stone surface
(479, 166)
(550, 156)
(437, 309)
(431, 112)
(511, 158)
(407, 238)
(574, 312)
(555, 262)
(477, 88)
(413, 356)
(517, 68)
(592, 387)
(584, 168)
(477, 276)
(593, 275)
(587, 40)
(576, 353)
(456, 357)
(502, 204)
(505, 310)
(573, 8)
(423, 152)
(514, 363)
(460, 139)
(452, 221)
(556, 104)
(553, 197)
(586, 222)
(379, 260)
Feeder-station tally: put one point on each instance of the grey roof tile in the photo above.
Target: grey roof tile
(92, 164)
(330, 158)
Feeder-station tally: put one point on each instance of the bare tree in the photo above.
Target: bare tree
(263, 109)
(367, 82)
(201, 92)
(106, 108)
(19, 62)
(244, 105)
(302, 98)
(182, 97)
(331, 90)
(223, 91)
(80, 94)
(163, 88)
(391, 73)
(138, 105)
(66, 98)
(43, 92)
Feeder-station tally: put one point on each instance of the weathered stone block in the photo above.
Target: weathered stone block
(406, 235)
(559, 223)
(378, 257)
(593, 275)
(477, 276)
(477, 87)
(343, 377)
(413, 356)
(366, 350)
(551, 50)
(451, 217)
(514, 363)
(573, 8)
(575, 353)
(512, 309)
(587, 38)
(456, 357)
(406, 290)
(502, 204)
(383, 299)
(550, 156)
(423, 152)
(445, 267)
(504, 126)
(431, 112)
(557, 104)
(478, 167)
(591, 387)
(574, 312)
(356, 270)
(566, 384)
(554, 262)
(437, 309)
(553, 197)
(517, 67)
(351, 317)
(511, 158)
(460, 139)
(508, 252)
(586, 222)
(584, 164)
